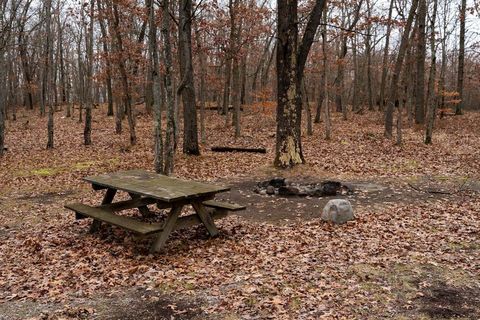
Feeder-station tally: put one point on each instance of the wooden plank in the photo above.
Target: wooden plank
(223, 205)
(167, 228)
(206, 218)
(109, 195)
(107, 198)
(156, 186)
(99, 214)
(128, 204)
(142, 208)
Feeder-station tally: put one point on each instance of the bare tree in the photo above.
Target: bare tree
(87, 132)
(461, 58)
(187, 87)
(393, 94)
(431, 96)
(155, 70)
(385, 57)
(170, 140)
(421, 53)
(290, 66)
(47, 96)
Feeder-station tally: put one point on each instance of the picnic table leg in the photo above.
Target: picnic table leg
(167, 228)
(143, 209)
(206, 218)
(107, 199)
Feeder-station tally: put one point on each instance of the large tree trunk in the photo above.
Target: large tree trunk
(170, 139)
(48, 70)
(421, 52)
(87, 132)
(291, 61)
(187, 87)
(397, 70)
(156, 88)
(431, 97)
(288, 146)
(461, 58)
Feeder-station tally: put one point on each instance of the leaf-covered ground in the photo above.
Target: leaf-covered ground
(410, 254)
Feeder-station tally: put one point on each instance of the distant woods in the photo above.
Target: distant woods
(178, 59)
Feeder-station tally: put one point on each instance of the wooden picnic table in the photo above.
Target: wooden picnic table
(147, 188)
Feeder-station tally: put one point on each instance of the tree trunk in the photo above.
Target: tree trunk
(288, 146)
(397, 70)
(461, 59)
(170, 140)
(431, 97)
(87, 132)
(308, 111)
(368, 49)
(156, 89)
(187, 87)
(108, 80)
(323, 79)
(421, 52)
(381, 103)
(203, 73)
(236, 94)
(127, 99)
(291, 61)
(356, 82)
(2, 101)
(47, 77)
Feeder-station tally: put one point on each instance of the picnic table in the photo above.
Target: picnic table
(147, 188)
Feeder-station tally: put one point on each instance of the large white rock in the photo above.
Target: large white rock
(338, 211)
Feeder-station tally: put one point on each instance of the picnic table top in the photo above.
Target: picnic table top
(155, 185)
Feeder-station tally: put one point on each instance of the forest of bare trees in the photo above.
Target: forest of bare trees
(175, 59)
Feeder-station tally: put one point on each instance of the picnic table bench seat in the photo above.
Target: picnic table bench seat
(223, 205)
(105, 213)
(127, 223)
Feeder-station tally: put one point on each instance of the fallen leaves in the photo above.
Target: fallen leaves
(303, 269)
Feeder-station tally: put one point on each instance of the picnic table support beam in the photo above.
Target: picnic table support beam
(143, 209)
(206, 218)
(107, 199)
(167, 228)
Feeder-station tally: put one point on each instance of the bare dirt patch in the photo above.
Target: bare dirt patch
(443, 301)
(131, 304)
(283, 210)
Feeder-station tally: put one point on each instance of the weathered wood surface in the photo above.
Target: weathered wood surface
(107, 198)
(125, 222)
(168, 227)
(154, 185)
(128, 204)
(206, 218)
(223, 205)
(131, 224)
(239, 149)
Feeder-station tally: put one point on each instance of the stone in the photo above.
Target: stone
(270, 190)
(338, 211)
